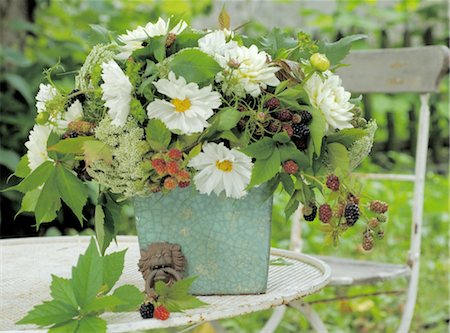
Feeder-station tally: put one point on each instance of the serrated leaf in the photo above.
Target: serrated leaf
(113, 217)
(102, 304)
(87, 275)
(61, 290)
(67, 327)
(290, 152)
(264, 170)
(130, 297)
(347, 136)
(96, 150)
(224, 19)
(22, 168)
(155, 48)
(49, 313)
(71, 145)
(194, 66)
(261, 149)
(72, 191)
(276, 41)
(227, 119)
(112, 268)
(91, 325)
(338, 157)
(99, 224)
(29, 201)
(317, 129)
(282, 137)
(288, 183)
(291, 207)
(158, 135)
(177, 297)
(49, 201)
(34, 179)
(337, 51)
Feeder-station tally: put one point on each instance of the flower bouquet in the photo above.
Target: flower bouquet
(199, 129)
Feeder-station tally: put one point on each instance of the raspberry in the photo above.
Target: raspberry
(290, 167)
(380, 234)
(146, 310)
(172, 168)
(306, 117)
(379, 207)
(174, 154)
(333, 183)
(274, 126)
(183, 175)
(170, 183)
(353, 198)
(301, 144)
(272, 103)
(373, 223)
(382, 218)
(284, 115)
(325, 213)
(367, 243)
(351, 213)
(184, 184)
(159, 165)
(296, 118)
(161, 313)
(301, 130)
(288, 129)
(309, 212)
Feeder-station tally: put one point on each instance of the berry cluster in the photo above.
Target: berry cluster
(148, 311)
(168, 171)
(79, 128)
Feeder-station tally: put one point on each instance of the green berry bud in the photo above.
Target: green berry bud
(42, 118)
(320, 62)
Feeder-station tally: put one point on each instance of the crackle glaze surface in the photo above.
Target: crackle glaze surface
(226, 241)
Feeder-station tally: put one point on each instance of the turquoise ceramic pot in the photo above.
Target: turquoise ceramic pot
(226, 241)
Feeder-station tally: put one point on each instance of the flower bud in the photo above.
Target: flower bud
(42, 118)
(320, 62)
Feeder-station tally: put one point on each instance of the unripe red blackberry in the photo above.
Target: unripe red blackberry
(351, 213)
(373, 223)
(378, 206)
(305, 117)
(272, 103)
(309, 212)
(288, 129)
(353, 198)
(325, 213)
(368, 241)
(290, 167)
(184, 184)
(172, 168)
(175, 154)
(274, 126)
(333, 183)
(284, 115)
(159, 165)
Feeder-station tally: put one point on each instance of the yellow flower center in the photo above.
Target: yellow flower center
(225, 165)
(181, 105)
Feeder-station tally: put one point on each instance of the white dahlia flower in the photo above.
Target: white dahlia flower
(216, 45)
(248, 71)
(221, 169)
(189, 106)
(133, 39)
(330, 97)
(46, 93)
(37, 146)
(117, 90)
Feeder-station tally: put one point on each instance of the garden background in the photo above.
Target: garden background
(36, 35)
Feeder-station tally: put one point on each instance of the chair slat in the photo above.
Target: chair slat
(417, 70)
(386, 176)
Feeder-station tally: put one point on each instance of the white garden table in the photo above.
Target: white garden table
(27, 265)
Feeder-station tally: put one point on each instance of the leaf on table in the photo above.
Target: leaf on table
(130, 298)
(61, 290)
(67, 327)
(112, 268)
(102, 304)
(176, 297)
(49, 313)
(92, 325)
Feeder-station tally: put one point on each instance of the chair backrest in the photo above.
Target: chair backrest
(412, 70)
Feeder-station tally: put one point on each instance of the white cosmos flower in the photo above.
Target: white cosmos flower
(37, 146)
(133, 39)
(74, 112)
(117, 90)
(221, 169)
(216, 45)
(188, 108)
(46, 93)
(248, 71)
(330, 97)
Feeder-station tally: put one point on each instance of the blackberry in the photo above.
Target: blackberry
(367, 242)
(379, 207)
(274, 126)
(306, 117)
(309, 212)
(351, 213)
(325, 213)
(80, 97)
(333, 183)
(82, 172)
(70, 134)
(301, 130)
(272, 103)
(147, 310)
(288, 129)
(284, 115)
(300, 143)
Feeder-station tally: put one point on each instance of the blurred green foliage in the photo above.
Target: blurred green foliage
(64, 32)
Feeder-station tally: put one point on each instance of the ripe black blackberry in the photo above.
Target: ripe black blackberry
(80, 97)
(300, 143)
(325, 213)
(367, 242)
(70, 134)
(272, 103)
(146, 310)
(306, 117)
(333, 183)
(351, 213)
(284, 115)
(309, 212)
(301, 130)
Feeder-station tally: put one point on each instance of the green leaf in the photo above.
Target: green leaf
(91, 325)
(194, 66)
(130, 297)
(99, 224)
(67, 327)
(29, 201)
(34, 179)
(289, 97)
(22, 168)
(72, 191)
(227, 119)
(290, 152)
(49, 313)
(112, 268)
(338, 156)
(87, 275)
(282, 137)
(177, 297)
(276, 41)
(337, 51)
(102, 304)
(158, 135)
(113, 218)
(192, 153)
(288, 183)
(261, 149)
(264, 170)
(347, 136)
(49, 201)
(21, 85)
(291, 207)
(96, 150)
(71, 145)
(61, 290)
(156, 47)
(317, 129)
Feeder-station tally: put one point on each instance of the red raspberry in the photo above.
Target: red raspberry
(172, 168)
(325, 213)
(184, 184)
(288, 129)
(159, 165)
(333, 183)
(161, 313)
(174, 154)
(170, 183)
(290, 167)
(183, 175)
